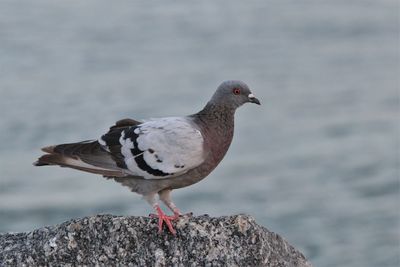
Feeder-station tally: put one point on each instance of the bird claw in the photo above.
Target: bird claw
(162, 217)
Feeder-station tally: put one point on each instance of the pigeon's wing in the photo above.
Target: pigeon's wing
(157, 149)
(122, 124)
(111, 140)
(90, 156)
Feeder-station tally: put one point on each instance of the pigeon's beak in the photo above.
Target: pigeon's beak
(253, 99)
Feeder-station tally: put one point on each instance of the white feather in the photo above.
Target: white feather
(174, 141)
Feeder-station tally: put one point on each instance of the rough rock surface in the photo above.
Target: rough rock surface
(107, 240)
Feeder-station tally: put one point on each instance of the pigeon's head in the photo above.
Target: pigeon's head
(233, 94)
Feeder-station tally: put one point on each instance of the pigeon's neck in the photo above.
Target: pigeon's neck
(217, 123)
(217, 115)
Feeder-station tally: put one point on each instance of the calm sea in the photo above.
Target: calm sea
(318, 162)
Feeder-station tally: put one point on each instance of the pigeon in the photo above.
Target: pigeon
(155, 156)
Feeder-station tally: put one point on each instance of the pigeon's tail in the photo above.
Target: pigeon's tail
(86, 156)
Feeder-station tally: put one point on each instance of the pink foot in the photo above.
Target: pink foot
(162, 217)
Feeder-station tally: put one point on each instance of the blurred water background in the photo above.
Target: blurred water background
(318, 162)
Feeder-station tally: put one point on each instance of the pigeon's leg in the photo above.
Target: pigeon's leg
(160, 214)
(165, 196)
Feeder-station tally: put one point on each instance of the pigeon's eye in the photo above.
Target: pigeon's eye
(236, 91)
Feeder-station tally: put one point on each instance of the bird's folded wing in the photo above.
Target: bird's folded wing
(156, 149)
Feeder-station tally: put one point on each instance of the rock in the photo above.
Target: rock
(107, 240)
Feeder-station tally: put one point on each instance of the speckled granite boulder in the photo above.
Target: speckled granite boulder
(107, 240)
